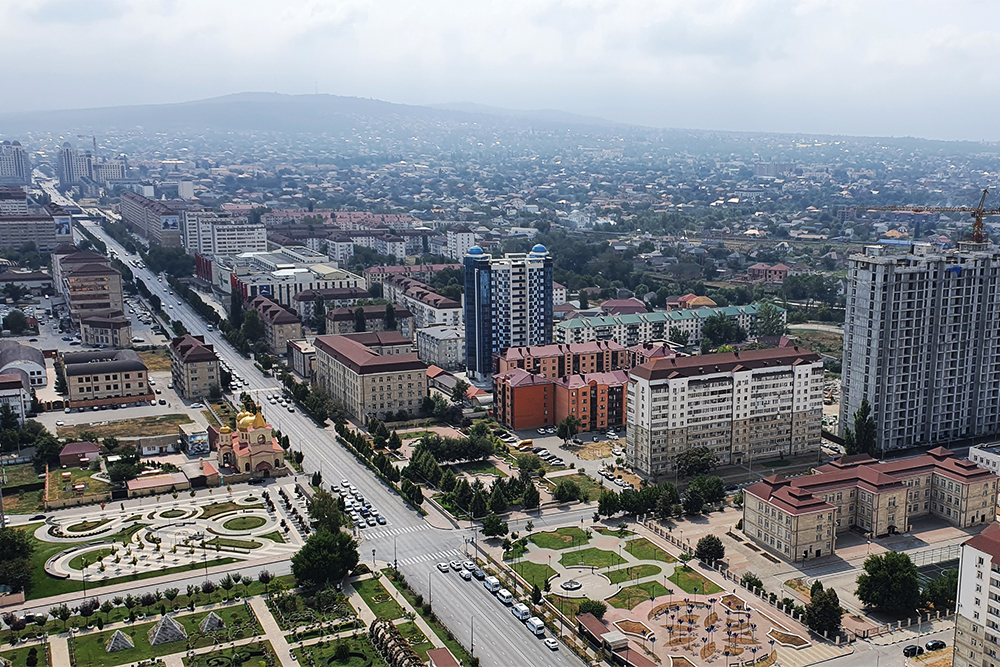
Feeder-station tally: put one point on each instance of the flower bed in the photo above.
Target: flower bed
(634, 628)
(787, 638)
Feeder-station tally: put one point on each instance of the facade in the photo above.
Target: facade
(252, 448)
(442, 346)
(922, 343)
(194, 439)
(303, 357)
(15, 167)
(384, 343)
(79, 454)
(528, 400)
(17, 358)
(558, 294)
(553, 361)
(106, 329)
(17, 231)
(16, 392)
(630, 330)
(460, 239)
(13, 198)
(378, 274)
(742, 405)
(106, 377)
(337, 297)
(769, 274)
(800, 518)
(343, 320)
(367, 383)
(428, 307)
(976, 631)
(986, 456)
(214, 233)
(508, 303)
(280, 326)
(157, 221)
(194, 366)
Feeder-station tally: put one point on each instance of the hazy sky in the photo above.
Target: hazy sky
(872, 67)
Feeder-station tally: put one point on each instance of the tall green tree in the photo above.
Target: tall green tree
(823, 612)
(324, 559)
(568, 427)
(16, 322)
(319, 315)
(530, 499)
(324, 511)
(769, 321)
(16, 547)
(696, 461)
(862, 439)
(478, 507)
(359, 320)
(889, 583)
(719, 330)
(710, 549)
(253, 328)
(942, 592)
(390, 317)
(458, 392)
(235, 308)
(677, 336)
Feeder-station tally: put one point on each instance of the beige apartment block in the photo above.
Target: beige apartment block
(194, 366)
(106, 377)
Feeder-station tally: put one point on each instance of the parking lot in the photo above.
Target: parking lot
(570, 455)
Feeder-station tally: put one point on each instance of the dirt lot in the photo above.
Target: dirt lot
(156, 360)
(820, 341)
(153, 425)
(591, 451)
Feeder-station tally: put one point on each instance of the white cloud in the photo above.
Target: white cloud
(839, 66)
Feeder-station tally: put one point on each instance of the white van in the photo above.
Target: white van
(492, 584)
(505, 596)
(520, 611)
(536, 625)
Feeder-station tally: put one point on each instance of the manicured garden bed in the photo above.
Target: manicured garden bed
(632, 572)
(561, 538)
(630, 596)
(244, 523)
(693, 582)
(643, 549)
(593, 557)
(378, 599)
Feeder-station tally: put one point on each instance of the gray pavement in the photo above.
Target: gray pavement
(867, 654)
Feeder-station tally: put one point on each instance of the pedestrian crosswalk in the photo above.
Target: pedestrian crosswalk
(818, 652)
(391, 532)
(440, 555)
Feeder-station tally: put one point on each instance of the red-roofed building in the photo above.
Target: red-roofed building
(768, 274)
(252, 448)
(78, 453)
(529, 400)
(799, 518)
(623, 306)
(561, 359)
(978, 590)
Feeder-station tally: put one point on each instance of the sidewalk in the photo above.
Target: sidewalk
(913, 632)
(366, 614)
(271, 630)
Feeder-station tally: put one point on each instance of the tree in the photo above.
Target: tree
(530, 499)
(719, 330)
(121, 471)
(390, 317)
(448, 479)
(584, 302)
(568, 427)
(494, 526)
(235, 308)
(595, 607)
(16, 322)
(478, 507)
(677, 336)
(498, 500)
(110, 443)
(607, 503)
(253, 328)
(823, 612)
(567, 490)
(536, 595)
(769, 321)
(458, 392)
(359, 320)
(696, 461)
(710, 549)
(752, 582)
(711, 488)
(324, 511)
(15, 565)
(889, 583)
(693, 502)
(264, 577)
(325, 558)
(667, 502)
(862, 439)
(319, 315)
(395, 442)
(8, 418)
(942, 592)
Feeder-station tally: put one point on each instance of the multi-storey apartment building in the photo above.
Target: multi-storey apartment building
(508, 303)
(378, 274)
(77, 167)
(629, 330)
(529, 400)
(289, 278)
(194, 366)
(977, 608)
(15, 167)
(367, 383)
(460, 240)
(88, 283)
(106, 377)
(13, 199)
(428, 307)
(337, 297)
(280, 326)
(742, 405)
(214, 233)
(922, 343)
(344, 320)
(800, 518)
(106, 329)
(157, 221)
(553, 361)
(443, 347)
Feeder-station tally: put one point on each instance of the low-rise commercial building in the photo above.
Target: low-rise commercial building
(367, 383)
(442, 346)
(799, 518)
(44, 230)
(742, 405)
(280, 326)
(344, 320)
(18, 358)
(106, 377)
(106, 329)
(194, 366)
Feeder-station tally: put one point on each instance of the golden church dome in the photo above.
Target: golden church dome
(245, 423)
(258, 421)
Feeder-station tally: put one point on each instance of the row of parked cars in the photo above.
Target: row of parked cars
(469, 570)
(361, 511)
(913, 650)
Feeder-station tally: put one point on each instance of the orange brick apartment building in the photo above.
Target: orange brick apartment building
(527, 400)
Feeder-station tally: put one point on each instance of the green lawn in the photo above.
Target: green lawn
(585, 482)
(90, 647)
(244, 523)
(274, 536)
(633, 572)
(362, 655)
(173, 514)
(378, 599)
(21, 474)
(248, 655)
(61, 487)
(614, 532)
(234, 616)
(689, 580)
(445, 501)
(517, 550)
(481, 468)
(86, 526)
(629, 597)
(215, 509)
(234, 544)
(76, 563)
(561, 538)
(23, 503)
(643, 549)
(593, 557)
(418, 642)
(443, 634)
(534, 573)
(18, 657)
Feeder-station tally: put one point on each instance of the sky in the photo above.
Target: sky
(858, 67)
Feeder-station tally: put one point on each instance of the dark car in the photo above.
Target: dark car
(912, 651)
(162, 402)
(479, 574)
(38, 517)
(935, 645)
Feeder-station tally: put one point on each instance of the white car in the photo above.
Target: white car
(442, 567)
(455, 565)
(344, 483)
(60, 423)
(469, 565)
(197, 405)
(552, 643)
(466, 574)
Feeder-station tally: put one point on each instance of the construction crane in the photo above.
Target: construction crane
(977, 213)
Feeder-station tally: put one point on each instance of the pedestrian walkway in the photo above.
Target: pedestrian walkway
(451, 554)
(391, 532)
(59, 646)
(270, 628)
(367, 616)
(820, 652)
(913, 632)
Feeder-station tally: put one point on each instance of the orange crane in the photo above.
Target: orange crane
(977, 213)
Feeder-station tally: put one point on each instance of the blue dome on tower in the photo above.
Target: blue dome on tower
(539, 250)
(475, 250)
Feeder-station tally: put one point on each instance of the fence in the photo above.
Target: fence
(937, 555)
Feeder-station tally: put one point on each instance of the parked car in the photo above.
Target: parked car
(465, 574)
(380, 519)
(912, 651)
(935, 645)
(552, 643)
(455, 565)
(478, 574)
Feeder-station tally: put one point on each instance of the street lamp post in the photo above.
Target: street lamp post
(430, 589)
(472, 639)
(373, 559)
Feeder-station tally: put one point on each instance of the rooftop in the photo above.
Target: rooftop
(362, 360)
(727, 362)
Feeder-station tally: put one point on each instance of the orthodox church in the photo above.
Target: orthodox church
(252, 447)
